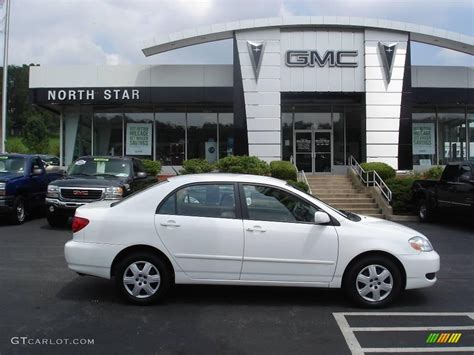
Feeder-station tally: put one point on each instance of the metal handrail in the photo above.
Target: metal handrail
(300, 174)
(370, 178)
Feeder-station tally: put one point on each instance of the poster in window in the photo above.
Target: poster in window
(423, 138)
(138, 138)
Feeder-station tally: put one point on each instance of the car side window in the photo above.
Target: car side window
(451, 173)
(271, 204)
(137, 167)
(466, 171)
(36, 164)
(202, 200)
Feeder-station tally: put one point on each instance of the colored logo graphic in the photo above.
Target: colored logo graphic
(443, 338)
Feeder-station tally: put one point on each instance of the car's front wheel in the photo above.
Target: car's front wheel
(143, 278)
(18, 215)
(373, 282)
(424, 211)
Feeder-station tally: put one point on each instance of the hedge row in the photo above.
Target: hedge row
(283, 170)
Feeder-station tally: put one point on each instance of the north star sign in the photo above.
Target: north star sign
(91, 94)
(312, 58)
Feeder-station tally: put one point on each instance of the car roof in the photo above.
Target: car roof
(19, 155)
(104, 157)
(226, 177)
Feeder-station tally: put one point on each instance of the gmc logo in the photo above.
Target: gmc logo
(80, 193)
(309, 58)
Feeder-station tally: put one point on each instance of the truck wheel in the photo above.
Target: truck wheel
(19, 211)
(424, 211)
(56, 220)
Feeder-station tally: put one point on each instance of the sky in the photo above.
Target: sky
(82, 32)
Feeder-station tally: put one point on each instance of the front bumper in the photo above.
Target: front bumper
(91, 258)
(63, 204)
(420, 269)
(6, 204)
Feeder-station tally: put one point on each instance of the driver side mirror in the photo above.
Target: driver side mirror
(141, 175)
(464, 178)
(37, 171)
(321, 218)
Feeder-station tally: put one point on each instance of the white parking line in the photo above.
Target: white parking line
(357, 349)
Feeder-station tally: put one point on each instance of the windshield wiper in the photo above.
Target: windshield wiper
(83, 174)
(105, 174)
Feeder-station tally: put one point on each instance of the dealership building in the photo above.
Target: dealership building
(318, 89)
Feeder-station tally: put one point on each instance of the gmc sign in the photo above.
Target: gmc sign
(311, 58)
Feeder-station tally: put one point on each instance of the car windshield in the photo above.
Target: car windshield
(10, 165)
(105, 167)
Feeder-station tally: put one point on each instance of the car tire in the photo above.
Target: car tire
(57, 220)
(424, 211)
(18, 215)
(373, 282)
(143, 278)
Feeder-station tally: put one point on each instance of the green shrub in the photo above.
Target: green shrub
(197, 166)
(243, 165)
(300, 185)
(284, 170)
(384, 170)
(152, 167)
(434, 172)
(36, 135)
(53, 147)
(401, 192)
(14, 145)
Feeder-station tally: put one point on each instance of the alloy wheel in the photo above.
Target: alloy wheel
(374, 283)
(20, 211)
(141, 279)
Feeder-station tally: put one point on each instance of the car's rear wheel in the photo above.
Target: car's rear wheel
(373, 282)
(424, 211)
(18, 215)
(143, 278)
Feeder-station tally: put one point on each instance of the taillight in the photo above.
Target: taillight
(79, 223)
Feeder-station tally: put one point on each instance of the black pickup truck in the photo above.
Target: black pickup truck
(90, 179)
(23, 184)
(453, 193)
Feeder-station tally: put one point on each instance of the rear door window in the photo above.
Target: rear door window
(202, 200)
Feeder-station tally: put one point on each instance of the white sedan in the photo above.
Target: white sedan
(244, 230)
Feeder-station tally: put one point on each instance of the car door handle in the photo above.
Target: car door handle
(256, 229)
(170, 224)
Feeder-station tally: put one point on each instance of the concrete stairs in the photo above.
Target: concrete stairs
(339, 192)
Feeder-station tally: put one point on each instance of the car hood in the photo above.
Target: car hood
(89, 182)
(4, 177)
(387, 227)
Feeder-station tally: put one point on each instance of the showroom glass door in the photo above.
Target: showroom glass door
(313, 151)
(304, 150)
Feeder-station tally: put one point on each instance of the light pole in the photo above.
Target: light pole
(5, 77)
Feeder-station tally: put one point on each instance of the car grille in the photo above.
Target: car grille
(81, 194)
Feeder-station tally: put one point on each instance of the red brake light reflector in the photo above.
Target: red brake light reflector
(79, 223)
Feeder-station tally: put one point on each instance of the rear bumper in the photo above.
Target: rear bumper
(421, 269)
(6, 204)
(91, 258)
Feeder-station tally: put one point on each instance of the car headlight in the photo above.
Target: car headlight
(2, 188)
(53, 191)
(113, 193)
(420, 244)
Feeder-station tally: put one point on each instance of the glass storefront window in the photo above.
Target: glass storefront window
(226, 134)
(316, 117)
(355, 139)
(77, 133)
(452, 135)
(424, 138)
(287, 135)
(202, 136)
(338, 135)
(470, 120)
(139, 134)
(108, 133)
(170, 137)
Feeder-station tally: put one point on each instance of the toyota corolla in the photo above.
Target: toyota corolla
(244, 230)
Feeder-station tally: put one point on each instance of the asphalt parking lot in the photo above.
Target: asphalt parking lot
(42, 299)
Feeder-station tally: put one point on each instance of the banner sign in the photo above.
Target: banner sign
(423, 135)
(138, 141)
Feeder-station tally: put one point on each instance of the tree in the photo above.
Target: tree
(35, 135)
